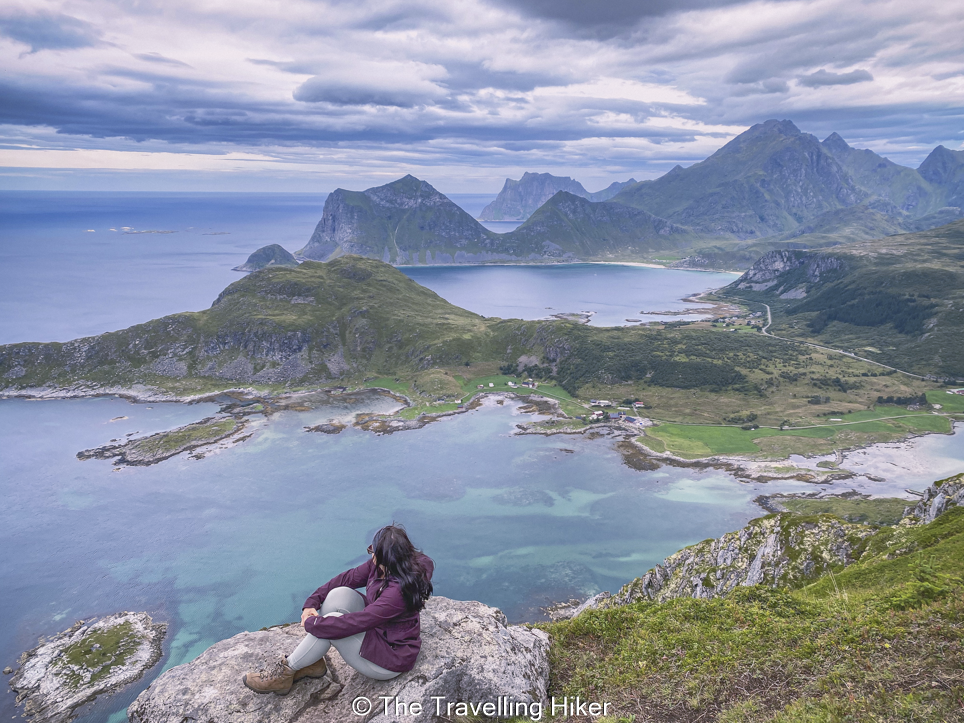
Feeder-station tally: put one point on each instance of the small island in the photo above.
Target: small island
(271, 255)
(87, 660)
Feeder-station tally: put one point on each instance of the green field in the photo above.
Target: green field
(692, 441)
(695, 441)
(950, 402)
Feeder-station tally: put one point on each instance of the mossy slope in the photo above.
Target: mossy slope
(882, 640)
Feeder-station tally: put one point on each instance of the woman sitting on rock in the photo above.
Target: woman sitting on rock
(377, 633)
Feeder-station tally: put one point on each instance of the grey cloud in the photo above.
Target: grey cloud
(763, 87)
(608, 18)
(288, 66)
(158, 58)
(825, 77)
(327, 90)
(48, 31)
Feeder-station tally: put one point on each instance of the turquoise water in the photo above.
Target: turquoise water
(237, 540)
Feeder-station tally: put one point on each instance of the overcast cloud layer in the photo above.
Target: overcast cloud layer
(246, 94)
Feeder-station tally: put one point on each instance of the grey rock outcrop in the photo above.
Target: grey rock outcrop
(519, 199)
(469, 654)
(777, 551)
(92, 658)
(403, 222)
(784, 271)
(938, 499)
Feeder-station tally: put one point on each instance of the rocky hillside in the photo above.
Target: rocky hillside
(897, 300)
(403, 222)
(782, 551)
(518, 199)
(878, 640)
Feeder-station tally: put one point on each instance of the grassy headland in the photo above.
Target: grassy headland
(881, 640)
(356, 322)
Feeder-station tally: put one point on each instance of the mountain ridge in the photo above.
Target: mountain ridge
(518, 200)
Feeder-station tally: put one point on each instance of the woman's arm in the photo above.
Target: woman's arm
(354, 578)
(389, 605)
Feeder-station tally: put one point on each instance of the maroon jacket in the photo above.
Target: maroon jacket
(392, 633)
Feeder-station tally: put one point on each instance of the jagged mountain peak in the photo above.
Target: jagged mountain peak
(763, 134)
(941, 164)
(781, 127)
(519, 199)
(836, 144)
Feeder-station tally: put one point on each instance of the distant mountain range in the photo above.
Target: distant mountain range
(518, 200)
(409, 222)
(772, 187)
(773, 180)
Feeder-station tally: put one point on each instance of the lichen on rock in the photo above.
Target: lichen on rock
(777, 551)
(89, 659)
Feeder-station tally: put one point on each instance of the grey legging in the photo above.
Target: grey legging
(310, 650)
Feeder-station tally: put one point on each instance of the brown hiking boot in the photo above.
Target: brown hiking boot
(277, 678)
(315, 670)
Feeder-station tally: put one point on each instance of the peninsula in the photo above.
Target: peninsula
(279, 337)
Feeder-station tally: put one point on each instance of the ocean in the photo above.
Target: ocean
(236, 540)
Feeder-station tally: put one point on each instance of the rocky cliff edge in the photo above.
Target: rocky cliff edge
(469, 656)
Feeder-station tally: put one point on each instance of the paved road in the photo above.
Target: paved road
(824, 348)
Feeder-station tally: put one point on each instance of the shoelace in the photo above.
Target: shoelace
(277, 670)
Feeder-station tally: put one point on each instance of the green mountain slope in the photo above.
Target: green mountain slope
(403, 222)
(579, 228)
(944, 169)
(898, 300)
(768, 180)
(882, 178)
(303, 326)
(882, 640)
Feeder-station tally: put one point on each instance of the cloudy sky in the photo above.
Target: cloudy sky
(314, 94)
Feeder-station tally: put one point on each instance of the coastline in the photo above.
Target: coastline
(240, 403)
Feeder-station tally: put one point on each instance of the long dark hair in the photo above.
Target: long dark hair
(396, 553)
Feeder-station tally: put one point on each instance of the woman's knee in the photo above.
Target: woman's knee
(342, 600)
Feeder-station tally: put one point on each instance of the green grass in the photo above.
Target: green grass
(948, 402)
(695, 441)
(939, 544)
(882, 640)
(178, 439)
(392, 384)
(880, 511)
(116, 643)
